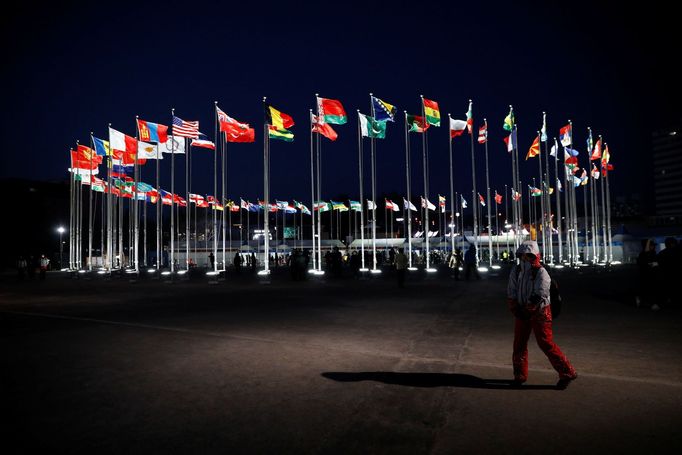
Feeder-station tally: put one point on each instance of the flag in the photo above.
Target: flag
(383, 112)
(441, 203)
(534, 149)
(554, 149)
(281, 134)
(278, 119)
(302, 207)
(583, 177)
(235, 131)
(195, 198)
(558, 185)
(244, 204)
(565, 135)
(173, 145)
(323, 128)
(483, 134)
(431, 112)
(570, 160)
(589, 141)
(543, 130)
(509, 120)
(355, 205)
(551, 190)
(331, 111)
(389, 204)
(409, 205)
(148, 151)
(340, 206)
(470, 117)
(321, 206)
(596, 153)
(481, 199)
(281, 204)
(463, 202)
(182, 128)
(457, 127)
(511, 141)
(371, 205)
(152, 131)
(101, 147)
(203, 142)
(416, 123)
(576, 181)
(371, 128)
(427, 204)
(122, 142)
(605, 158)
(515, 195)
(535, 191)
(498, 198)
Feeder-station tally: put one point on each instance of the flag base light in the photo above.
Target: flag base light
(365, 270)
(616, 263)
(166, 273)
(483, 269)
(431, 270)
(375, 271)
(559, 266)
(319, 272)
(412, 269)
(312, 271)
(496, 267)
(101, 272)
(211, 273)
(261, 273)
(151, 271)
(182, 272)
(82, 271)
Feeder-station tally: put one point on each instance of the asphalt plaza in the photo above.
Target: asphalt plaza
(331, 366)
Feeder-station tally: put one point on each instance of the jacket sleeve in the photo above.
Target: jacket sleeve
(512, 287)
(541, 288)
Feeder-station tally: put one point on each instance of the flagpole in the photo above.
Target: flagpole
(497, 227)
(374, 198)
(90, 220)
(319, 193)
(548, 197)
(488, 201)
(540, 226)
(362, 196)
(266, 196)
(558, 201)
(312, 193)
(608, 212)
(426, 187)
(474, 193)
(409, 196)
(574, 209)
(223, 161)
(567, 191)
(452, 190)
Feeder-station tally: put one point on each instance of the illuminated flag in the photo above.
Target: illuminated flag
(498, 198)
(431, 112)
(416, 123)
(535, 191)
(427, 204)
(470, 117)
(235, 131)
(122, 142)
(331, 111)
(278, 119)
(534, 149)
(371, 205)
(565, 135)
(510, 141)
(321, 206)
(323, 128)
(355, 205)
(153, 132)
(203, 142)
(383, 112)
(553, 150)
(409, 205)
(457, 127)
(173, 145)
(441, 203)
(182, 128)
(371, 128)
(481, 200)
(280, 133)
(509, 120)
(101, 147)
(543, 130)
(462, 201)
(596, 153)
(483, 134)
(148, 151)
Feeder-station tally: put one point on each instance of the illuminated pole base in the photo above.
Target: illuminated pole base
(483, 269)
(496, 267)
(412, 269)
(431, 270)
(375, 271)
(364, 270)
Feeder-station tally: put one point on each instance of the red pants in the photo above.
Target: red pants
(541, 324)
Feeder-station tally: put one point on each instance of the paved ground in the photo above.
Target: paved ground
(344, 366)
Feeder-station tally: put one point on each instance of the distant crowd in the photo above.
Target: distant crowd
(659, 274)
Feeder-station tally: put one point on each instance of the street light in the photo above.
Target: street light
(61, 230)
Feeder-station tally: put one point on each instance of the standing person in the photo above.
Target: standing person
(668, 263)
(211, 259)
(238, 263)
(44, 263)
(470, 263)
(528, 300)
(646, 263)
(254, 262)
(401, 267)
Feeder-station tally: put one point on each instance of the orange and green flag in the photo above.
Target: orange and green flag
(431, 112)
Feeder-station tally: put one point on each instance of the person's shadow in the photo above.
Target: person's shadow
(431, 380)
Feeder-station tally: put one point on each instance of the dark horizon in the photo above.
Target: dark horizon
(76, 68)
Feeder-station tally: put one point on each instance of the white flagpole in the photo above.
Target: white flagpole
(172, 207)
(452, 190)
(426, 187)
(362, 196)
(408, 210)
(488, 201)
(312, 194)
(319, 194)
(474, 197)
(266, 196)
(90, 220)
(558, 201)
(374, 198)
(608, 214)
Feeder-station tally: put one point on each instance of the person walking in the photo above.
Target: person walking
(401, 267)
(44, 263)
(528, 300)
(211, 259)
(238, 263)
(470, 263)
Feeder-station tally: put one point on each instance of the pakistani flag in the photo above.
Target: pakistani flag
(372, 128)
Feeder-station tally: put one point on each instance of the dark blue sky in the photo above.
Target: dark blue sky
(73, 69)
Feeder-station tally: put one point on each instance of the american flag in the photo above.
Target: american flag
(182, 128)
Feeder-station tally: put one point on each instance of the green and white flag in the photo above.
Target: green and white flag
(371, 127)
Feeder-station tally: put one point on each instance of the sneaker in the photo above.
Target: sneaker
(655, 307)
(565, 381)
(516, 383)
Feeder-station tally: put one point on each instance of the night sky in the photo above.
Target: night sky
(69, 70)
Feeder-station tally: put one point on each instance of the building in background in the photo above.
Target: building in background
(667, 158)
